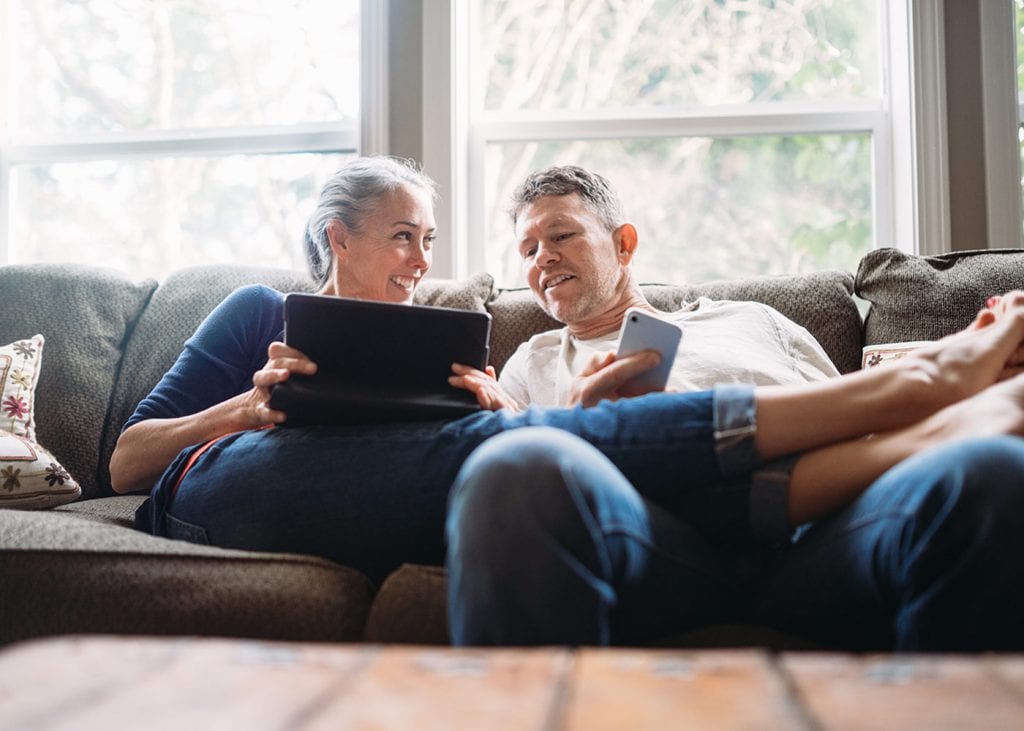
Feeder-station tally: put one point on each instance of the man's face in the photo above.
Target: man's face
(571, 260)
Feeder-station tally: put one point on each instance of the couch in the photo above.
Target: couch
(82, 568)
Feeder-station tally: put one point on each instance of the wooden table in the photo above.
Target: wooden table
(185, 684)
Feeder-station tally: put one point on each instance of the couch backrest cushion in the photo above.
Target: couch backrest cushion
(822, 302)
(85, 314)
(177, 307)
(189, 295)
(927, 297)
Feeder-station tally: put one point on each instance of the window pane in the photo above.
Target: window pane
(108, 65)
(711, 208)
(593, 54)
(149, 217)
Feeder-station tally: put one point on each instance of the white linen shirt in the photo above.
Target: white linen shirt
(723, 342)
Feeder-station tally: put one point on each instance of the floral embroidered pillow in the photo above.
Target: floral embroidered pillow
(19, 372)
(30, 478)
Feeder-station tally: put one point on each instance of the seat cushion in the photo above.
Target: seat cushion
(411, 607)
(82, 568)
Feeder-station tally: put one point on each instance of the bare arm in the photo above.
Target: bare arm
(145, 449)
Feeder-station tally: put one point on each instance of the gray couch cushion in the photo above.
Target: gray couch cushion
(471, 294)
(85, 314)
(928, 297)
(821, 302)
(174, 312)
(80, 568)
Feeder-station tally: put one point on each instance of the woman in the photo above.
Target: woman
(374, 497)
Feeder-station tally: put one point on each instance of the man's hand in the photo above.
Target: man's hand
(282, 361)
(484, 385)
(605, 377)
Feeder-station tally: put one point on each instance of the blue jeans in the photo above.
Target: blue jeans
(550, 543)
(373, 497)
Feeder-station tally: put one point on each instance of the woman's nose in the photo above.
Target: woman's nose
(419, 257)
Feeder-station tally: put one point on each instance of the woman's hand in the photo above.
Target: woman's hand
(606, 376)
(484, 385)
(282, 362)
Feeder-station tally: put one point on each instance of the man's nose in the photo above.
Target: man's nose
(546, 255)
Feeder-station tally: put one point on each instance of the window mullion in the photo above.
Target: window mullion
(373, 58)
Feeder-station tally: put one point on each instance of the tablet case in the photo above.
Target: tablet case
(378, 361)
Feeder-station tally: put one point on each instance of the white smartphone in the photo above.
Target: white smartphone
(643, 331)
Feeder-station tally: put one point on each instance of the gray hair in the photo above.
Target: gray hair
(349, 195)
(594, 189)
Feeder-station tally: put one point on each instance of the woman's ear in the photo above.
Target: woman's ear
(337, 234)
(625, 237)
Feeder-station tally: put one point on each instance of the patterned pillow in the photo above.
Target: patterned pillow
(30, 478)
(19, 372)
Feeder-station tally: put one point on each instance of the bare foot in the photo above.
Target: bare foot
(960, 365)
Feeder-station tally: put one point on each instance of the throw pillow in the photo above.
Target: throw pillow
(30, 478)
(19, 372)
(927, 297)
(876, 355)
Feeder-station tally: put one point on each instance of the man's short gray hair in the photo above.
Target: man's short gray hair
(594, 189)
(349, 195)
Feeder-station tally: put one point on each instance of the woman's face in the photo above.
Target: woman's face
(386, 259)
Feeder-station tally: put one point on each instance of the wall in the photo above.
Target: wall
(965, 126)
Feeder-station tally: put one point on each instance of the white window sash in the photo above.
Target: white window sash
(897, 123)
(368, 134)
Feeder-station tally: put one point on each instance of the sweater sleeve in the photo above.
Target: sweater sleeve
(220, 358)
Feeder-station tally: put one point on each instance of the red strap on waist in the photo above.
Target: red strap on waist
(194, 457)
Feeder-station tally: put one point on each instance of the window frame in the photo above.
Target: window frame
(367, 136)
(910, 202)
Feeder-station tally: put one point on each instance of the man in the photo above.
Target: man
(550, 543)
(577, 251)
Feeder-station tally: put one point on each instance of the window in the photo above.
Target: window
(154, 134)
(746, 137)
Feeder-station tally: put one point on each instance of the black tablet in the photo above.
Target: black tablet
(378, 361)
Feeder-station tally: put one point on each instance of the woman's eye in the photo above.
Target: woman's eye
(428, 241)
(404, 235)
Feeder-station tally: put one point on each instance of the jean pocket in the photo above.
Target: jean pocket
(179, 529)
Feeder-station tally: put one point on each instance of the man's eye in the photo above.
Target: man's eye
(563, 237)
(404, 235)
(527, 253)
